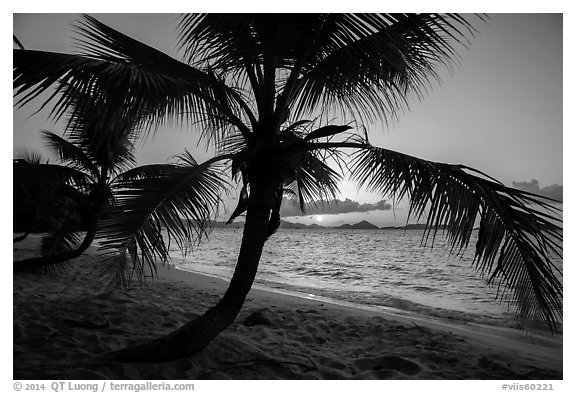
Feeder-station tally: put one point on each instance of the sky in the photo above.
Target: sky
(499, 112)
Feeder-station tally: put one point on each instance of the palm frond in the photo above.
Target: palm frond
(306, 171)
(146, 83)
(251, 46)
(69, 153)
(518, 236)
(292, 128)
(326, 131)
(36, 71)
(150, 171)
(51, 175)
(314, 180)
(170, 87)
(226, 41)
(228, 101)
(60, 241)
(232, 144)
(363, 65)
(116, 271)
(367, 65)
(172, 201)
(105, 133)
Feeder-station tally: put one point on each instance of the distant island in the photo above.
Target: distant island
(292, 225)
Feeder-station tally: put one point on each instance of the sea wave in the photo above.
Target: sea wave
(375, 268)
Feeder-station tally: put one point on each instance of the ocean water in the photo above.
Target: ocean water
(381, 268)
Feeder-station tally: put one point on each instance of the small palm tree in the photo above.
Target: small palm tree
(63, 241)
(261, 87)
(98, 160)
(39, 190)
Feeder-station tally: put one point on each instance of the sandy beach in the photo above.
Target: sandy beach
(63, 323)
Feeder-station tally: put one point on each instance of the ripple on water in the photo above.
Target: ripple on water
(386, 268)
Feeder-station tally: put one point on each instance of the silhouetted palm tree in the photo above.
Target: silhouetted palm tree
(261, 88)
(40, 190)
(98, 160)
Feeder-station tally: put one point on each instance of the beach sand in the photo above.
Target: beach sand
(63, 323)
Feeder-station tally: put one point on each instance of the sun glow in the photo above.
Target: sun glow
(319, 218)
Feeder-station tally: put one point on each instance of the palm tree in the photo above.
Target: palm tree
(100, 144)
(98, 160)
(39, 190)
(63, 241)
(262, 87)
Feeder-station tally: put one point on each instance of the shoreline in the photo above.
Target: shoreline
(551, 340)
(549, 347)
(63, 323)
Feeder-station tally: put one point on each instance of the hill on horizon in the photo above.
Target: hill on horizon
(364, 224)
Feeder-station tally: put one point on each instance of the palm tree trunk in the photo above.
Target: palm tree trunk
(33, 264)
(197, 334)
(42, 262)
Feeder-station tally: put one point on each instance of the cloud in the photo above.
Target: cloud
(335, 206)
(555, 191)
